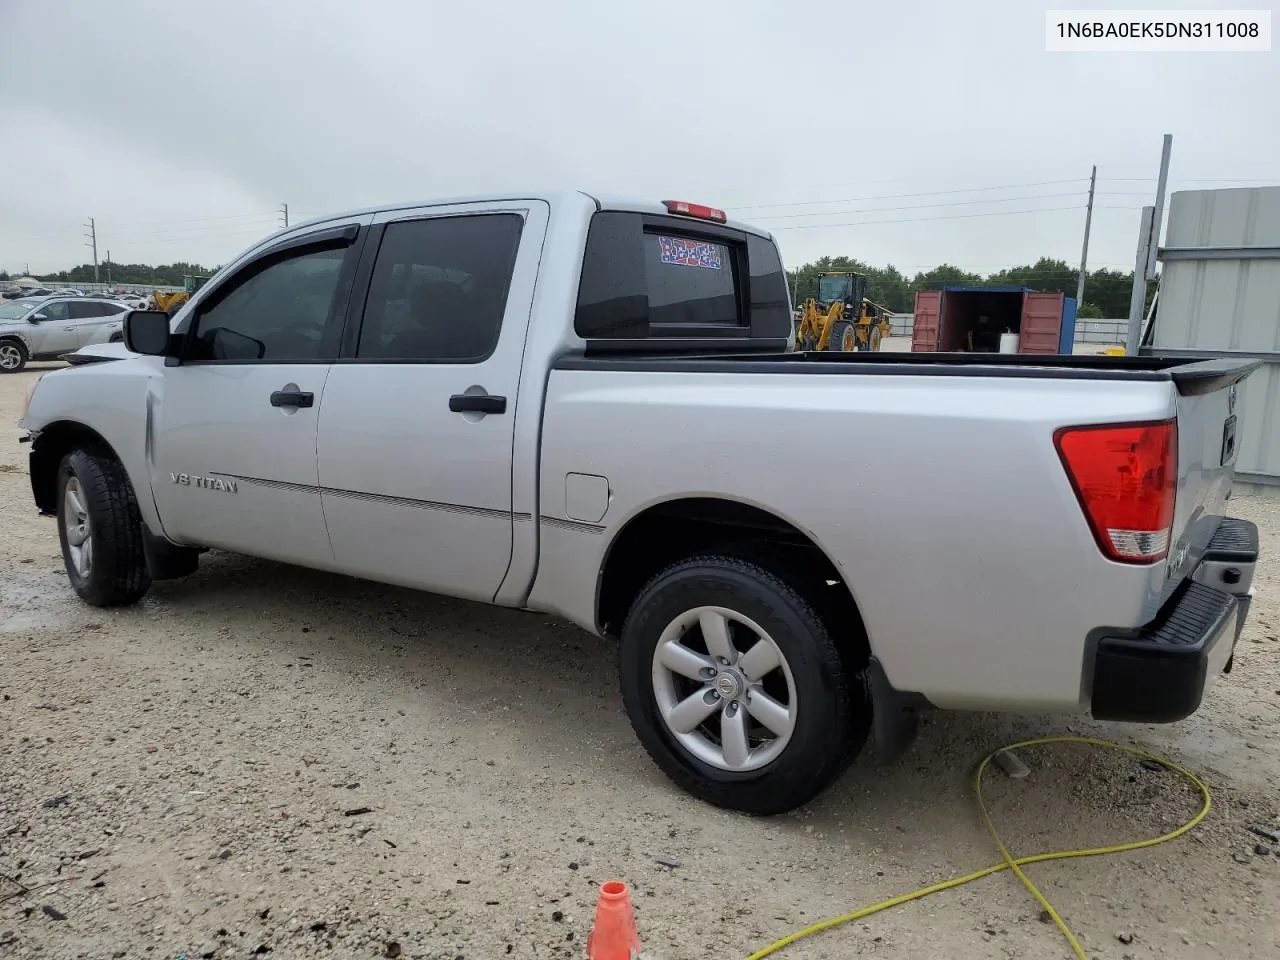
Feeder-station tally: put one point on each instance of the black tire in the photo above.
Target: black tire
(13, 355)
(117, 574)
(833, 708)
(841, 330)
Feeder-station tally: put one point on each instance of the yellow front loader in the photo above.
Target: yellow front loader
(841, 318)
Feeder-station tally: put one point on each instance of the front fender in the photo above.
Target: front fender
(20, 335)
(107, 401)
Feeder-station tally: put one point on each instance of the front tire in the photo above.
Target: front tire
(736, 688)
(100, 530)
(843, 337)
(13, 356)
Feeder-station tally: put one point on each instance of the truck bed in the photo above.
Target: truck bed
(1191, 376)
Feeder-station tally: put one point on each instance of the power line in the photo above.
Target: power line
(958, 216)
(904, 196)
(266, 226)
(916, 206)
(229, 216)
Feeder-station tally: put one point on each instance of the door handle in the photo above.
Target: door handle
(292, 398)
(69, 328)
(477, 403)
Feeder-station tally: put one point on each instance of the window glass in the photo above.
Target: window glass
(53, 311)
(439, 288)
(279, 312)
(689, 281)
(86, 310)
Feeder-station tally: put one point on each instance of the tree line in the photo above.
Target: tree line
(164, 275)
(1106, 292)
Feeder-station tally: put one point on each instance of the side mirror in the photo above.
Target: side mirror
(35, 320)
(147, 332)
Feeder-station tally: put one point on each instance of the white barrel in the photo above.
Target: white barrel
(1008, 343)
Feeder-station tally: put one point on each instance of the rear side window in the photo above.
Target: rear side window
(671, 281)
(439, 289)
(89, 309)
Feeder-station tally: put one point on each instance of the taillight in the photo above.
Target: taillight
(701, 211)
(1126, 478)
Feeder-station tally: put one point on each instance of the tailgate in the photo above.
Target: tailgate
(1208, 441)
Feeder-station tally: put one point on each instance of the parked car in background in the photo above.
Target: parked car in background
(44, 329)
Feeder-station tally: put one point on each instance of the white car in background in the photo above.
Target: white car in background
(46, 329)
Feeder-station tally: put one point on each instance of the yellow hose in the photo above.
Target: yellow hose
(1009, 862)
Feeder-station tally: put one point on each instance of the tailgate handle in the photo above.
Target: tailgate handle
(1228, 440)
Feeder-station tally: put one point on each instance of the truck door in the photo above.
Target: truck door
(235, 418)
(417, 423)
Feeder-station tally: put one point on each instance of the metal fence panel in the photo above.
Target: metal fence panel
(1220, 296)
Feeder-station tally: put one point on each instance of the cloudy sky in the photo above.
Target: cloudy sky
(924, 131)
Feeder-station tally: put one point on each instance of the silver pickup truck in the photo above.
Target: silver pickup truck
(591, 407)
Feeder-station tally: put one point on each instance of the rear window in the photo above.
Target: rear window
(690, 281)
(656, 278)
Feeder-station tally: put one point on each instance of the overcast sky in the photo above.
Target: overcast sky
(182, 126)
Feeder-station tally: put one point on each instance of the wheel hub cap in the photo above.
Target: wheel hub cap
(728, 685)
(724, 689)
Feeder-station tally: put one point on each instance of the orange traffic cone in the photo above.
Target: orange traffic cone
(613, 936)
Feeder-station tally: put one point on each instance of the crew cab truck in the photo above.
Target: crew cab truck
(593, 408)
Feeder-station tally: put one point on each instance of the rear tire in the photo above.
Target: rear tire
(13, 355)
(100, 530)
(689, 709)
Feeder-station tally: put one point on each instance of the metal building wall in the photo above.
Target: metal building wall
(1220, 297)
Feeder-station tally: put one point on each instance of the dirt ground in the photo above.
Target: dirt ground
(186, 778)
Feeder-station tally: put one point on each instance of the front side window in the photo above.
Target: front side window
(439, 289)
(52, 311)
(279, 312)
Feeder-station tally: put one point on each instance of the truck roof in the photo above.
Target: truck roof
(603, 201)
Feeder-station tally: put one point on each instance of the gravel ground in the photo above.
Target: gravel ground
(262, 760)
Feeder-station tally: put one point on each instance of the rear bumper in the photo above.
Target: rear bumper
(1158, 673)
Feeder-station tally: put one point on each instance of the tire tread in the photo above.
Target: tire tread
(119, 575)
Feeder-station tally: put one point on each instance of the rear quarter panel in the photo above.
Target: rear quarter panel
(941, 499)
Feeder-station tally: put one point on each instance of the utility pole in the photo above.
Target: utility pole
(1148, 251)
(284, 215)
(92, 237)
(1084, 254)
(108, 267)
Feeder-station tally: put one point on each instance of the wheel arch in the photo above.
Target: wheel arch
(20, 340)
(54, 442)
(674, 528)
